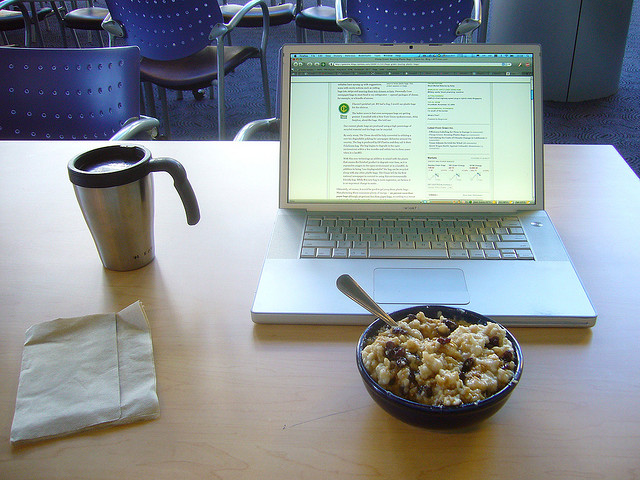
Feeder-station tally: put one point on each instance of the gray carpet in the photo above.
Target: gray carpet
(612, 120)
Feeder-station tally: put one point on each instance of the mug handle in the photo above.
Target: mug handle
(180, 181)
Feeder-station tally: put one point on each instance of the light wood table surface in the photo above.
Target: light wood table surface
(245, 401)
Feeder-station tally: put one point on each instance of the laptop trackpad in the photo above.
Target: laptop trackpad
(419, 286)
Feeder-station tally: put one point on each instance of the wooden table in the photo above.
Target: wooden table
(245, 401)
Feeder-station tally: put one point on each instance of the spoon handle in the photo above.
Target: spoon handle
(351, 289)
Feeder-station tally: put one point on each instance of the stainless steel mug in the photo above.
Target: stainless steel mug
(114, 188)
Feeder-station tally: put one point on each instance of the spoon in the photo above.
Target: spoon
(351, 289)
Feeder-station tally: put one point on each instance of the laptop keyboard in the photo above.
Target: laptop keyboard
(475, 238)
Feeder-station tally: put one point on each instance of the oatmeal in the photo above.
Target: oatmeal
(439, 361)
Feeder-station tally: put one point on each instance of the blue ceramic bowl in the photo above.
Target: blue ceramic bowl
(433, 416)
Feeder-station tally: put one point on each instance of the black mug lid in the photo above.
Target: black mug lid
(109, 166)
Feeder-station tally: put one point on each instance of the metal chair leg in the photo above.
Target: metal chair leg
(76, 40)
(143, 107)
(36, 24)
(220, 83)
(265, 83)
(165, 111)
(150, 101)
(56, 10)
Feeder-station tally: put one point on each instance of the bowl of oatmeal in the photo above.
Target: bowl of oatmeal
(441, 367)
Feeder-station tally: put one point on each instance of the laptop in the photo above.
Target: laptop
(418, 170)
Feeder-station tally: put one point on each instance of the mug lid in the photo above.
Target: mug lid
(109, 166)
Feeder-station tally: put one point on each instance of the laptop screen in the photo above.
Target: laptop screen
(402, 125)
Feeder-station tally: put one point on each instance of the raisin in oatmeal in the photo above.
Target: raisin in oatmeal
(438, 361)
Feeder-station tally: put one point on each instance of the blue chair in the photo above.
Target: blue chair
(175, 37)
(68, 94)
(409, 21)
(15, 16)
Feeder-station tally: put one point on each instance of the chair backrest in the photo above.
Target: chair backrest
(67, 93)
(408, 21)
(166, 29)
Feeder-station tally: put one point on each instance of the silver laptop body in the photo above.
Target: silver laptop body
(426, 135)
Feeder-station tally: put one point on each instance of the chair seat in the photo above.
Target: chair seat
(12, 19)
(195, 71)
(318, 18)
(86, 18)
(278, 14)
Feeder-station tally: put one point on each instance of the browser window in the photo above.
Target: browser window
(403, 127)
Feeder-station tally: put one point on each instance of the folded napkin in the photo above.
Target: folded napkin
(85, 372)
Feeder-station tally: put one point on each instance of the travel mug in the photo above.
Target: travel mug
(114, 188)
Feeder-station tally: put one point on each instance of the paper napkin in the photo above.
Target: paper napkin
(85, 372)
